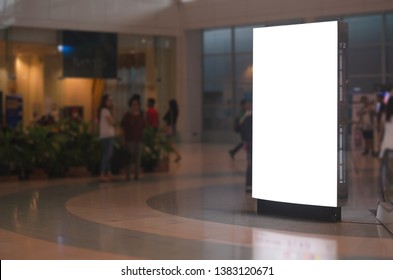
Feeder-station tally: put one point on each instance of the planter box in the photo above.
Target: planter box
(77, 172)
(8, 178)
(38, 174)
(163, 166)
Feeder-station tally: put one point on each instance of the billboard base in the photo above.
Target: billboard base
(320, 213)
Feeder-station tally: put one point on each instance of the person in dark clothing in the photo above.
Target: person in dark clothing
(137, 97)
(245, 106)
(245, 129)
(133, 125)
(170, 119)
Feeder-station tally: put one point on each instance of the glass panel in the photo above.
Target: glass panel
(146, 66)
(389, 27)
(217, 118)
(165, 75)
(363, 85)
(285, 22)
(243, 39)
(366, 60)
(243, 68)
(134, 53)
(213, 87)
(243, 91)
(217, 67)
(328, 18)
(389, 59)
(217, 41)
(214, 93)
(389, 81)
(37, 69)
(364, 29)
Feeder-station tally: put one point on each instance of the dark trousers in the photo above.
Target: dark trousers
(237, 148)
(135, 152)
(107, 150)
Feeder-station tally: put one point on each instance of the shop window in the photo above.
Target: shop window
(217, 118)
(217, 41)
(365, 60)
(217, 68)
(364, 30)
(363, 84)
(389, 28)
(243, 68)
(243, 39)
(389, 59)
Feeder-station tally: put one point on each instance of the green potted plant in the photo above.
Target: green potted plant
(7, 155)
(155, 149)
(15, 152)
(48, 148)
(23, 156)
(84, 147)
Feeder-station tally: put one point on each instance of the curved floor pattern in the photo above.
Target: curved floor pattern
(197, 211)
(238, 208)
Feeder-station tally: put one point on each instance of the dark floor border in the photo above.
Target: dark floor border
(311, 212)
(230, 204)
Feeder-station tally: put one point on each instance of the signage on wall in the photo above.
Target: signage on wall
(89, 54)
(13, 110)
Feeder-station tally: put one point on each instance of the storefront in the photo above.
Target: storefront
(32, 68)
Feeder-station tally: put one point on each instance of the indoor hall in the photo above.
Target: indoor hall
(199, 52)
(198, 210)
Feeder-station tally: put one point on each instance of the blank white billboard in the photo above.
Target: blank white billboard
(295, 113)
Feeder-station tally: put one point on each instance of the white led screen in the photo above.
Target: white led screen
(295, 70)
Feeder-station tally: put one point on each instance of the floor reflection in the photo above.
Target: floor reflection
(284, 246)
(199, 210)
(385, 215)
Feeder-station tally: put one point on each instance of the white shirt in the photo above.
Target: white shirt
(106, 129)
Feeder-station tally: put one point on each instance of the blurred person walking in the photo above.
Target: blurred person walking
(170, 119)
(245, 129)
(245, 107)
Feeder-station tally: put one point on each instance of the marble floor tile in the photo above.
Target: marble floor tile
(197, 210)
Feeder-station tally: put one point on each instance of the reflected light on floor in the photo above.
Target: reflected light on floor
(279, 246)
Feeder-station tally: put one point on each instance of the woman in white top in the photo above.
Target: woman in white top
(387, 129)
(107, 135)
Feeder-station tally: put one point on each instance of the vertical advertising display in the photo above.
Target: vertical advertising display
(299, 110)
(13, 110)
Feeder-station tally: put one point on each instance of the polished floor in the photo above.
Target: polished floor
(199, 210)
